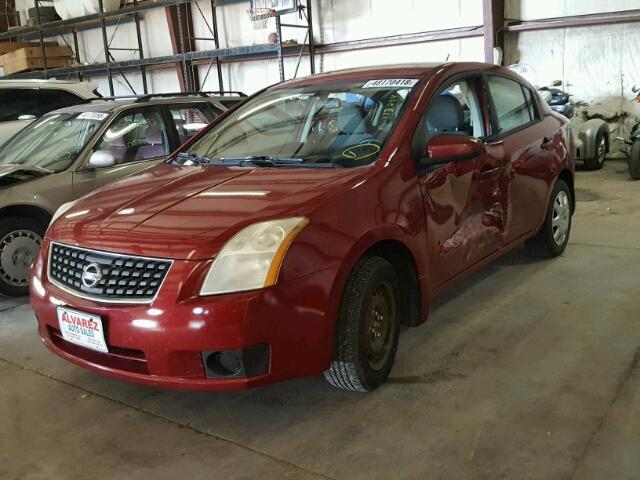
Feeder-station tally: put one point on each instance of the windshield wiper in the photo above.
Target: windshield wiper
(261, 160)
(269, 161)
(192, 158)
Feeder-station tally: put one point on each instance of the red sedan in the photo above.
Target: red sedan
(298, 232)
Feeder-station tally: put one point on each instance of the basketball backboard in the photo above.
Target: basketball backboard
(280, 6)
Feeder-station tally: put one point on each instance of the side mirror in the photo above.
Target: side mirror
(102, 159)
(27, 117)
(448, 147)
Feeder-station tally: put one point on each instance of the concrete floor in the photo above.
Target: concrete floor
(529, 370)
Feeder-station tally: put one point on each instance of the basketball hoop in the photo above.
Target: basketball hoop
(260, 17)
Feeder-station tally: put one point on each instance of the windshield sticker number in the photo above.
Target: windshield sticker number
(390, 83)
(99, 116)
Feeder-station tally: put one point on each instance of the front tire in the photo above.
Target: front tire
(634, 160)
(553, 237)
(367, 327)
(601, 148)
(20, 241)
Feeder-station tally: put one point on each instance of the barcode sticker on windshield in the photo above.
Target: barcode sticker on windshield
(99, 116)
(393, 82)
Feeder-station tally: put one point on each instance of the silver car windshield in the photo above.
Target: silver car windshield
(341, 123)
(53, 142)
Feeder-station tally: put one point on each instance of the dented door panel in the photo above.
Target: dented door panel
(464, 215)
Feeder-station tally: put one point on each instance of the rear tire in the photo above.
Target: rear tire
(553, 237)
(367, 327)
(634, 161)
(20, 241)
(601, 147)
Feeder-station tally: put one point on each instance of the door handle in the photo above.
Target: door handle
(546, 143)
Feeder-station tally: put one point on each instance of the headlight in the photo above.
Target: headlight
(62, 210)
(252, 258)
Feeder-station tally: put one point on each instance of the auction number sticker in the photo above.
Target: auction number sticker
(391, 82)
(93, 116)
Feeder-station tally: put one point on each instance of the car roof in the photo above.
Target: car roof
(82, 89)
(108, 106)
(396, 71)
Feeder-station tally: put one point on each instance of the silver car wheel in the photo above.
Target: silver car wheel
(18, 250)
(561, 218)
(602, 150)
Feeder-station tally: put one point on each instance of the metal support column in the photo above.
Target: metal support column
(493, 16)
(43, 53)
(216, 40)
(279, 45)
(105, 43)
(143, 70)
(312, 45)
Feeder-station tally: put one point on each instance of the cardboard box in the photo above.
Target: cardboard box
(29, 58)
(6, 47)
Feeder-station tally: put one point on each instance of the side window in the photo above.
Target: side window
(49, 100)
(16, 102)
(190, 119)
(136, 136)
(512, 109)
(455, 110)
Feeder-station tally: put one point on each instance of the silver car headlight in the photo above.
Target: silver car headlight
(62, 210)
(252, 258)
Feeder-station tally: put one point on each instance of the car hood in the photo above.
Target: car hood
(10, 174)
(190, 212)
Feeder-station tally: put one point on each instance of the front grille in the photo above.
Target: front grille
(109, 277)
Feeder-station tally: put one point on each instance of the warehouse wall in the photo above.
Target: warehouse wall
(598, 65)
(335, 21)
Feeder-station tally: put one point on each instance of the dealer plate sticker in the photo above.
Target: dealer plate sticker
(82, 329)
(391, 82)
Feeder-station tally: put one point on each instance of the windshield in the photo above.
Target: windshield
(342, 123)
(54, 142)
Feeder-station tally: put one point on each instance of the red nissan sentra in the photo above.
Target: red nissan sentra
(296, 234)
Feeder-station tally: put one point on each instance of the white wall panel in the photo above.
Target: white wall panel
(335, 21)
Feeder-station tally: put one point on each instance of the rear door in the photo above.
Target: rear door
(138, 138)
(527, 143)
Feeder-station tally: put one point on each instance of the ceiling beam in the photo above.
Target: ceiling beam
(609, 18)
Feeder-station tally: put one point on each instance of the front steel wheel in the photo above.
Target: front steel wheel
(20, 242)
(367, 327)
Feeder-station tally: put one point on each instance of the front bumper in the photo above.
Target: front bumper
(162, 343)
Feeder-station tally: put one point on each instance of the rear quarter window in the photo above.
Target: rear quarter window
(512, 109)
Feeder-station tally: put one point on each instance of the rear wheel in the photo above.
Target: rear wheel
(553, 237)
(634, 161)
(367, 327)
(20, 241)
(600, 150)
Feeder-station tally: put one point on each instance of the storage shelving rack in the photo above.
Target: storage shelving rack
(134, 13)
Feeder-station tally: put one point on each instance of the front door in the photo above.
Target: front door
(462, 199)
(138, 139)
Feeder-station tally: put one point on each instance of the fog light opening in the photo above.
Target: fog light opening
(244, 362)
(224, 364)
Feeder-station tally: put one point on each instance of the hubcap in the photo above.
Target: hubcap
(561, 219)
(18, 249)
(602, 150)
(381, 319)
